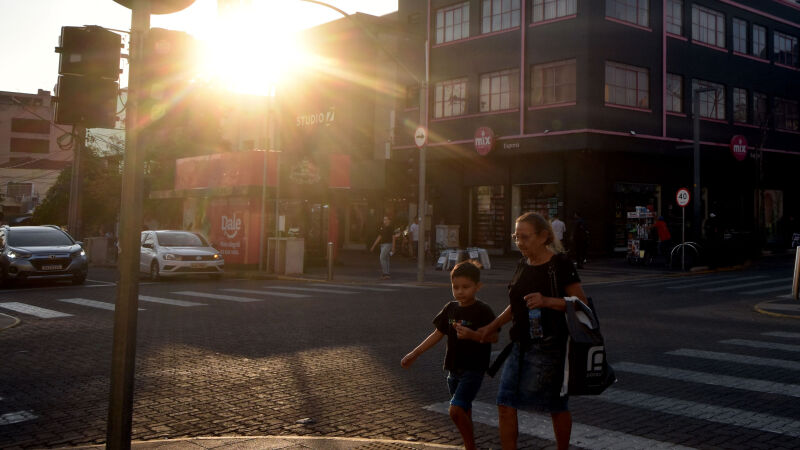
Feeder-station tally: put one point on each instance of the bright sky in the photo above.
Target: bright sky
(31, 29)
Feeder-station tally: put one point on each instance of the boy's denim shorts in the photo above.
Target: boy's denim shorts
(464, 385)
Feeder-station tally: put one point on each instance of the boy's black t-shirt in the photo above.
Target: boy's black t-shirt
(465, 353)
(529, 279)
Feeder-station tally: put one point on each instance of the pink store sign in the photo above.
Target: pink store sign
(739, 147)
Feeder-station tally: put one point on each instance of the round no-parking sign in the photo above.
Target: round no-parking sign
(682, 197)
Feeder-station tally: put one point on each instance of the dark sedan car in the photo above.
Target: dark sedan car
(40, 252)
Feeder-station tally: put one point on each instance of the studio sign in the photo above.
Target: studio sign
(319, 118)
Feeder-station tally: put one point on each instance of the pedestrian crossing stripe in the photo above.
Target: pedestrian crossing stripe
(263, 292)
(16, 417)
(735, 358)
(35, 311)
(90, 303)
(350, 286)
(739, 286)
(783, 334)
(218, 296)
(768, 290)
(304, 289)
(762, 344)
(541, 426)
(683, 280)
(703, 411)
(169, 301)
(747, 384)
(714, 282)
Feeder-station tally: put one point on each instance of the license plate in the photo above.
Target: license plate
(52, 267)
(198, 265)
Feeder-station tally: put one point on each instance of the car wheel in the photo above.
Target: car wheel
(78, 279)
(154, 271)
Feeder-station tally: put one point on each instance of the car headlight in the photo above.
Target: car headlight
(216, 256)
(78, 253)
(13, 254)
(169, 257)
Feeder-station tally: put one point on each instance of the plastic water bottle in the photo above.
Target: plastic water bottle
(535, 319)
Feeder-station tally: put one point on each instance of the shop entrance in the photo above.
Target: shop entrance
(355, 226)
(308, 220)
(627, 196)
(487, 222)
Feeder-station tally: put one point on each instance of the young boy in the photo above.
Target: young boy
(466, 358)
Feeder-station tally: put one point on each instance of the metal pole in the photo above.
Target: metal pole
(683, 238)
(422, 208)
(696, 148)
(262, 256)
(277, 211)
(123, 357)
(796, 280)
(74, 208)
(330, 261)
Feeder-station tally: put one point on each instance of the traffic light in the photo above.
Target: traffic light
(88, 69)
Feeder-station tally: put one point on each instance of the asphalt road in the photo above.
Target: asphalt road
(697, 366)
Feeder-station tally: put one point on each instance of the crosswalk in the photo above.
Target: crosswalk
(193, 299)
(760, 285)
(733, 368)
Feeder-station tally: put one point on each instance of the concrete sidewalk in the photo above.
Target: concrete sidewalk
(280, 442)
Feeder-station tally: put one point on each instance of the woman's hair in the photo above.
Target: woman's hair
(541, 225)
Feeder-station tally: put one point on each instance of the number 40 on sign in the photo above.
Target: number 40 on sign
(682, 197)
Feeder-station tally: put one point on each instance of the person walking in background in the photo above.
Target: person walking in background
(664, 238)
(386, 239)
(467, 356)
(580, 240)
(413, 230)
(559, 228)
(533, 367)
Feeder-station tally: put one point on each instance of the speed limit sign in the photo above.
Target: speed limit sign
(682, 197)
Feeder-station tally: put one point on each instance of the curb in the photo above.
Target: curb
(760, 308)
(7, 321)
(278, 442)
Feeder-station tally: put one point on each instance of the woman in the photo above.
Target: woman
(533, 372)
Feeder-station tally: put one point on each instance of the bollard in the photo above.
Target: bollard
(796, 281)
(330, 261)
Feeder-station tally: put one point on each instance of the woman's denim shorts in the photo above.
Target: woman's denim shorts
(533, 382)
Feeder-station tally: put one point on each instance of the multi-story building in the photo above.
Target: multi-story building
(567, 106)
(33, 150)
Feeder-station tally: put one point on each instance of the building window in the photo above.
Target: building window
(786, 50)
(553, 83)
(674, 93)
(450, 98)
(553, 9)
(500, 90)
(786, 116)
(627, 85)
(759, 42)
(739, 35)
(24, 145)
(412, 96)
(712, 103)
(30, 126)
(708, 26)
(760, 109)
(633, 11)
(500, 15)
(675, 17)
(740, 105)
(452, 23)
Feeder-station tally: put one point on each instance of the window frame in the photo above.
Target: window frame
(717, 103)
(673, 99)
(627, 69)
(737, 96)
(510, 13)
(760, 108)
(759, 39)
(717, 33)
(512, 80)
(675, 20)
(642, 7)
(780, 56)
(538, 99)
(441, 26)
(785, 119)
(570, 8)
(739, 42)
(440, 88)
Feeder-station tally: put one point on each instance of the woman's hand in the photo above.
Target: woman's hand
(483, 334)
(534, 300)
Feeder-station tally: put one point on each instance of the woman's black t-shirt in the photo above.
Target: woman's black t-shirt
(529, 279)
(465, 353)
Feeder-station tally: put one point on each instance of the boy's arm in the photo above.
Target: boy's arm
(429, 342)
(476, 335)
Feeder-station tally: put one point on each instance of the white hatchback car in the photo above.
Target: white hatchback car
(167, 253)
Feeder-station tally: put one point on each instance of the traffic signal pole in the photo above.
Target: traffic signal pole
(75, 185)
(123, 356)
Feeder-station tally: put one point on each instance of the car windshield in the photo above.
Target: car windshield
(38, 237)
(180, 239)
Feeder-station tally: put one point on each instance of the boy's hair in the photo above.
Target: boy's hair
(466, 269)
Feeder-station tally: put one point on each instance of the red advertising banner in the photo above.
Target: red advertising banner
(339, 171)
(234, 224)
(225, 169)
